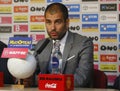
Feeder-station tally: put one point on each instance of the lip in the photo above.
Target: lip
(53, 34)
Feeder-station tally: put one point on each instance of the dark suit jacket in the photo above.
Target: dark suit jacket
(81, 65)
(8, 79)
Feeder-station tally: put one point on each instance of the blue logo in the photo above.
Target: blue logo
(73, 7)
(20, 42)
(55, 62)
(49, 1)
(89, 17)
(108, 27)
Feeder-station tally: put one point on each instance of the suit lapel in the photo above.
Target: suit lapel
(67, 48)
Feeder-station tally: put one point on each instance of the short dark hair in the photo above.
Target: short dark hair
(60, 6)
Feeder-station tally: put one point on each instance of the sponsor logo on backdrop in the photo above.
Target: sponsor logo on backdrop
(5, 29)
(74, 28)
(5, 1)
(108, 48)
(20, 28)
(89, 17)
(96, 57)
(20, 9)
(90, 8)
(22, 1)
(89, 0)
(36, 18)
(5, 20)
(94, 38)
(108, 0)
(90, 27)
(70, 1)
(108, 7)
(20, 42)
(108, 37)
(20, 35)
(37, 28)
(37, 9)
(37, 37)
(37, 1)
(95, 47)
(5, 9)
(108, 27)
(73, 7)
(111, 17)
(21, 18)
(108, 58)
(74, 17)
(108, 67)
(49, 1)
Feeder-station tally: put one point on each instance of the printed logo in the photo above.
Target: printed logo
(108, 27)
(5, 20)
(108, 58)
(20, 18)
(74, 17)
(35, 18)
(5, 29)
(108, 7)
(17, 1)
(20, 42)
(20, 28)
(37, 28)
(89, 0)
(20, 9)
(108, 48)
(108, 37)
(37, 9)
(73, 7)
(49, 1)
(109, 17)
(90, 8)
(14, 53)
(5, 10)
(108, 67)
(37, 37)
(94, 38)
(5, 1)
(89, 17)
(50, 85)
(90, 27)
(108, 0)
(77, 27)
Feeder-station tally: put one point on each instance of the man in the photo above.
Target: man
(77, 50)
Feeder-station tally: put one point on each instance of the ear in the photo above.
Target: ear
(67, 22)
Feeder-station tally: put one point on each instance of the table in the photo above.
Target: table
(10, 88)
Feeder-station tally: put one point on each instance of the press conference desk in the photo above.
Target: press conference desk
(9, 88)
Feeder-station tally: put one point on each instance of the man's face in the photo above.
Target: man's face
(56, 25)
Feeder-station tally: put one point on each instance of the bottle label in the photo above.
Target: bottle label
(55, 62)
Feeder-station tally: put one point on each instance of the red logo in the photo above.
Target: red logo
(14, 53)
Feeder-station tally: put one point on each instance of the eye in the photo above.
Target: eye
(48, 22)
(58, 22)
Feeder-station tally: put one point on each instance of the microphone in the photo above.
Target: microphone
(43, 46)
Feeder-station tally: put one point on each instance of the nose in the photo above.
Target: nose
(53, 26)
